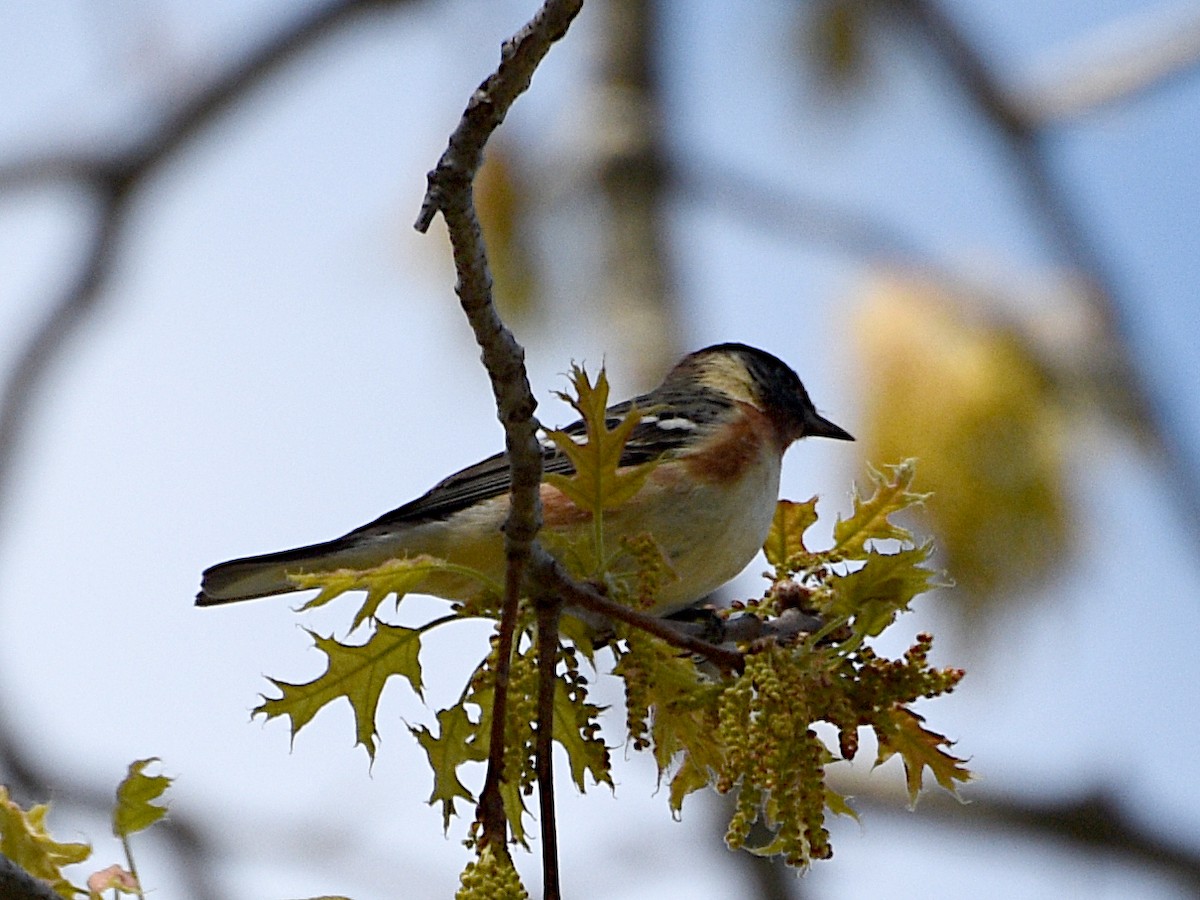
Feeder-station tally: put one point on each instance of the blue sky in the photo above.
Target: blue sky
(279, 358)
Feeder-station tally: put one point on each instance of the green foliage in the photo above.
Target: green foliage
(599, 483)
(136, 810)
(357, 672)
(751, 734)
(458, 741)
(25, 840)
(396, 576)
(969, 397)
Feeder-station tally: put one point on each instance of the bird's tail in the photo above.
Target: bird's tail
(263, 576)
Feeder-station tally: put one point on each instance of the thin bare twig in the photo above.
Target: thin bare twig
(552, 578)
(451, 192)
(519, 58)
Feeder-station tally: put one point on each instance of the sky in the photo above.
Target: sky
(279, 358)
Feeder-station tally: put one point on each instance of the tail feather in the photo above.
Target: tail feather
(263, 576)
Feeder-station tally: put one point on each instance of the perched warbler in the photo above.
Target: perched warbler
(718, 426)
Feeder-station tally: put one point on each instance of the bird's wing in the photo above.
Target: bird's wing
(658, 433)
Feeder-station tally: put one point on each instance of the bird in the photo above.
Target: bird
(717, 427)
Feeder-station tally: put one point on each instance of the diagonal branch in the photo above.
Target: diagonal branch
(1128, 57)
(116, 178)
(451, 193)
(554, 579)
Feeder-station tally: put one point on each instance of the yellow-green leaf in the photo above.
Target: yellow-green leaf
(688, 778)
(870, 520)
(972, 398)
(576, 730)
(25, 840)
(136, 810)
(885, 585)
(458, 741)
(597, 484)
(900, 732)
(838, 804)
(396, 576)
(356, 672)
(785, 540)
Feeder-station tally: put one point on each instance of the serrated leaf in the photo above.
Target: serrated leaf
(25, 840)
(870, 520)
(458, 741)
(688, 778)
(597, 485)
(572, 721)
(883, 587)
(582, 635)
(901, 733)
(785, 540)
(838, 804)
(515, 810)
(396, 576)
(135, 810)
(356, 672)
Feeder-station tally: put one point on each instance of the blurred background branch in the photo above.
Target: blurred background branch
(1019, 127)
(961, 335)
(115, 178)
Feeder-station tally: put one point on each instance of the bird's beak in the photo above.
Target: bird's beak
(818, 426)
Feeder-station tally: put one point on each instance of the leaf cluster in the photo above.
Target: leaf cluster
(753, 735)
(26, 842)
(750, 733)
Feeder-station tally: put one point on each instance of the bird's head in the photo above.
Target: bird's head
(749, 375)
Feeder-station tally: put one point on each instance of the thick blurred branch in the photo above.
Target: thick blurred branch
(17, 884)
(1130, 56)
(757, 201)
(1092, 821)
(638, 289)
(115, 178)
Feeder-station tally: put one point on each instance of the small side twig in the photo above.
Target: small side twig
(519, 59)
(553, 578)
